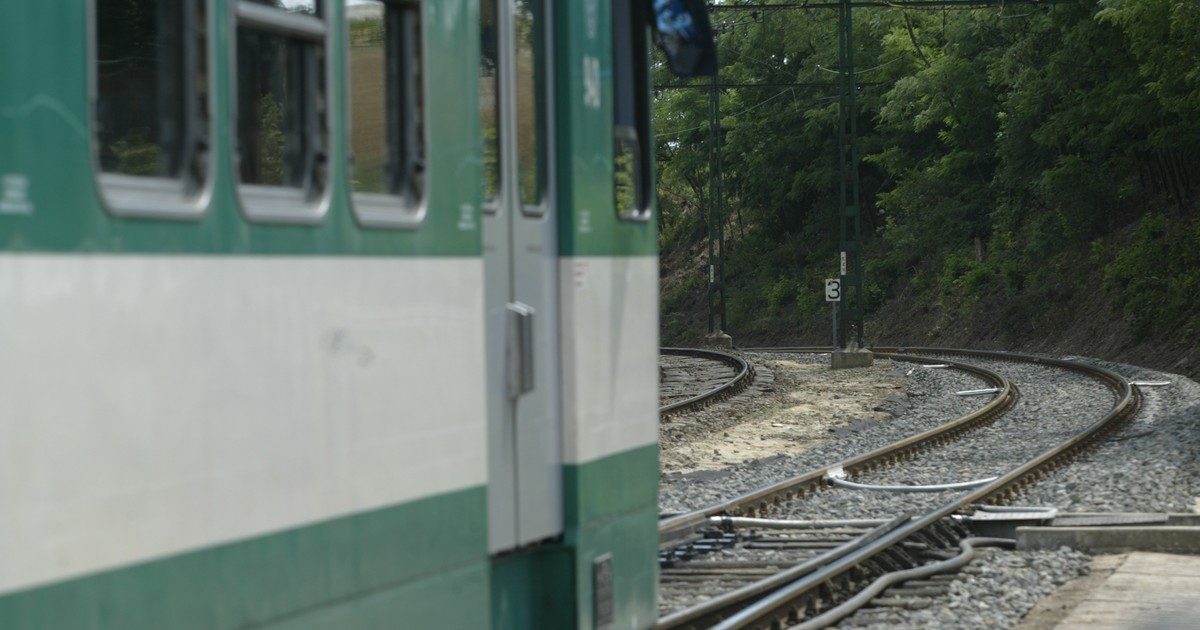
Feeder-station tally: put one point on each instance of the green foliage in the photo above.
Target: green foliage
(994, 143)
(1165, 38)
(366, 31)
(271, 138)
(1156, 279)
(779, 293)
(137, 156)
(624, 181)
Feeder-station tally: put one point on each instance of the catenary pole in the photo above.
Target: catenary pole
(714, 106)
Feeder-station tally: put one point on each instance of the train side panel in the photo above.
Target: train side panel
(222, 423)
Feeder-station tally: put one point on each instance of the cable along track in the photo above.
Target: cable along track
(825, 588)
(743, 374)
(759, 501)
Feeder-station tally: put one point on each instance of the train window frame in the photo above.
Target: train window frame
(185, 196)
(399, 209)
(637, 81)
(281, 204)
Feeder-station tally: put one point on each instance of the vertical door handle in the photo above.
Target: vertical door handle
(520, 348)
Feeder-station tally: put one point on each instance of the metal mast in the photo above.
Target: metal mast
(849, 217)
(716, 213)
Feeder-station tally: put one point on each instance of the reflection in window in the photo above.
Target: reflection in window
(145, 108)
(292, 6)
(271, 104)
(489, 99)
(386, 97)
(280, 100)
(530, 87)
(630, 110)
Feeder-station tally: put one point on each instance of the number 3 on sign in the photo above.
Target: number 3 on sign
(833, 290)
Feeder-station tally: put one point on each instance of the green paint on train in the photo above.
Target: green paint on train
(366, 568)
(50, 202)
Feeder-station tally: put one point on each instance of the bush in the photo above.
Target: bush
(1155, 280)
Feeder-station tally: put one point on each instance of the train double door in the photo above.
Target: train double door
(520, 258)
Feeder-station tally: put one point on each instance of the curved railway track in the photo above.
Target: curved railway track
(720, 375)
(824, 587)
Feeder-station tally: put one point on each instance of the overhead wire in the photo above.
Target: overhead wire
(814, 101)
(760, 103)
(865, 70)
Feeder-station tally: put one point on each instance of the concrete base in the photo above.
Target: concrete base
(1170, 538)
(719, 341)
(852, 357)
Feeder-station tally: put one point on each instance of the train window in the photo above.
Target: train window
(387, 110)
(280, 108)
(489, 103)
(530, 83)
(631, 112)
(150, 101)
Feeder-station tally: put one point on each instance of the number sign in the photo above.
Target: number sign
(833, 290)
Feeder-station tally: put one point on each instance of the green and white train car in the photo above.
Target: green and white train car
(326, 313)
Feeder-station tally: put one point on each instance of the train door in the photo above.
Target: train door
(520, 254)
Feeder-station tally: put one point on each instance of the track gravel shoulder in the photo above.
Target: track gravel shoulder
(809, 404)
(1152, 464)
(814, 416)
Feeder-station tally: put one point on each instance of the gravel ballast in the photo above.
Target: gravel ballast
(929, 403)
(994, 591)
(1054, 405)
(1152, 463)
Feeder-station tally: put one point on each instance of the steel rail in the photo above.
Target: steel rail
(732, 601)
(846, 608)
(728, 388)
(791, 602)
(680, 526)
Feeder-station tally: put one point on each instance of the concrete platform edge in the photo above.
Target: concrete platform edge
(1168, 539)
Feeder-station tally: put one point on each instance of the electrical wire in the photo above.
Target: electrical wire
(668, 134)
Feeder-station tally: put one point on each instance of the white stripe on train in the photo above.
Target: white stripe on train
(155, 404)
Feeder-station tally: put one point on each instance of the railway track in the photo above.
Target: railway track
(820, 589)
(692, 378)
